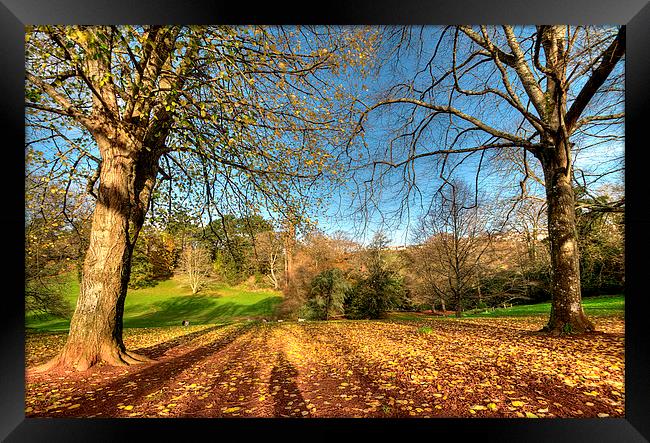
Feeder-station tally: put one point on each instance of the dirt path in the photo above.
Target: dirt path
(346, 369)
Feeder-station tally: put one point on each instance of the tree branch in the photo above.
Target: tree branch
(68, 108)
(610, 58)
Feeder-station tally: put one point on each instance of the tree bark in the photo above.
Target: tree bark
(289, 243)
(567, 315)
(126, 180)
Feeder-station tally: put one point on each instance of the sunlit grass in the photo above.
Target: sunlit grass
(170, 302)
(602, 306)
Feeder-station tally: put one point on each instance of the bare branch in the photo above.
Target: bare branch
(610, 58)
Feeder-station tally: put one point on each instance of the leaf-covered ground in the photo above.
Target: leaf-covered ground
(432, 368)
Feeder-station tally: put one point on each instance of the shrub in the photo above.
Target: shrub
(142, 271)
(45, 296)
(327, 294)
(374, 295)
(225, 269)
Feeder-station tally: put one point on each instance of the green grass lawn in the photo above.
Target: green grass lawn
(170, 302)
(604, 305)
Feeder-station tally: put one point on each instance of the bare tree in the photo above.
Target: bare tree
(269, 247)
(455, 238)
(195, 265)
(530, 224)
(544, 92)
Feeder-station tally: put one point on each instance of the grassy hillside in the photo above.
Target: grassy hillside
(170, 302)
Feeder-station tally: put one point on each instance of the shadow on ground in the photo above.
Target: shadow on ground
(133, 386)
(284, 381)
(159, 349)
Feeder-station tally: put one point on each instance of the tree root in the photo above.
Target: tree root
(82, 361)
(133, 358)
(580, 325)
(45, 366)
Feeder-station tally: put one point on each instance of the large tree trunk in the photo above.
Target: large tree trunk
(567, 315)
(126, 180)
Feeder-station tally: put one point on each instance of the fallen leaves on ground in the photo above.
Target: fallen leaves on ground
(461, 368)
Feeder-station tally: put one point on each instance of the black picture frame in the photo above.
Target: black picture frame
(635, 14)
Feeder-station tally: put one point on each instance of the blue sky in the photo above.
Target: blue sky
(379, 130)
(603, 157)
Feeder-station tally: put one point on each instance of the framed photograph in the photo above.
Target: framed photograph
(371, 218)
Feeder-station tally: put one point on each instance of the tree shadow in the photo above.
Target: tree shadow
(365, 381)
(132, 387)
(160, 349)
(283, 380)
(239, 360)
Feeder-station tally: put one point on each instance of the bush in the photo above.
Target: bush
(532, 283)
(142, 271)
(327, 294)
(225, 269)
(374, 295)
(311, 311)
(293, 306)
(405, 303)
(45, 296)
(255, 282)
